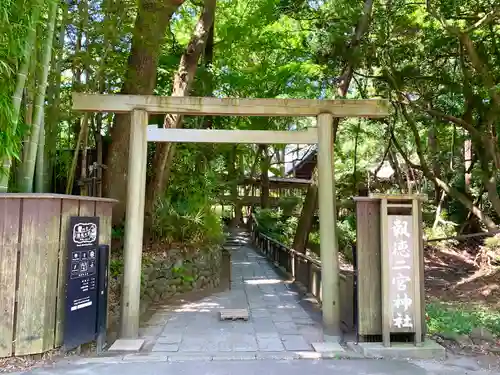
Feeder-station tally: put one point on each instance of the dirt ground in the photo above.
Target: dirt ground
(452, 274)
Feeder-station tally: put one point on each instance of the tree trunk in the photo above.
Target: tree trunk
(22, 75)
(433, 149)
(264, 177)
(28, 115)
(342, 89)
(209, 88)
(234, 186)
(347, 72)
(182, 84)
(428, 173)
(84, 187)
(150, 27)
(40, 170)
(398, 173)
(307, 215)
(29, 168)
(491, 188)
(54, 101)
(467, 202)
(72, 171)
(467, 163)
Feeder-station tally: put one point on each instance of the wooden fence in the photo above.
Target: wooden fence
(33, 253)
(305, 271)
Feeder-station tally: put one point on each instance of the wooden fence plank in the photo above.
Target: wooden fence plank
(10, 210)
(35, 324)
(87, 208)
(105, 213)
(70, 207)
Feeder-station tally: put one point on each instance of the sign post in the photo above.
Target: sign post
(102, 298)
(402, 267)
(80, 320)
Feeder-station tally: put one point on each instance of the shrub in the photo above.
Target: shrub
(182, 222)
(275, 224)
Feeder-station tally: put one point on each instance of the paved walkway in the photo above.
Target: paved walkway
(264, 367)
(278, 325)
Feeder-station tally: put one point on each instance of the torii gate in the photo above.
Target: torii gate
(140, 106)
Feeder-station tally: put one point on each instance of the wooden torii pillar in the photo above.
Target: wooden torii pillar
(140, 106)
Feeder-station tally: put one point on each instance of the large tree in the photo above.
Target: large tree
(153, 18)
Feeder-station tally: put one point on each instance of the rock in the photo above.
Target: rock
(147, 270)
(160, 285)
(166, 272)
(481, 335)
(463, 340)
(186, 288)
(156, 297)
(153, 274)
(167, 294)
(198, 283)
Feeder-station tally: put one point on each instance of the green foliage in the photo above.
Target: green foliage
(118, 232)
(115, 268)
(180, 222)
(183, 273)
(346, 234)
(186, 213)
(460, 319)
(346, 237)
(15, 21)
(290, 205)
(273, 223)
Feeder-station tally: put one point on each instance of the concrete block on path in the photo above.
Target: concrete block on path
(328, 347)
(127, 345)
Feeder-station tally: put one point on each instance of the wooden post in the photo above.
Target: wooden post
(327, 218)
(368, 268)
(134, 225)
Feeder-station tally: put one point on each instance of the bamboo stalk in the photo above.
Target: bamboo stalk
(22, 75)
(29, 170)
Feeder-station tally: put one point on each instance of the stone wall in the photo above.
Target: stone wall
(180, 272)
(177, 272)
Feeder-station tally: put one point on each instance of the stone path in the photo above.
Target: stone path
(264, 367)
(278, 326)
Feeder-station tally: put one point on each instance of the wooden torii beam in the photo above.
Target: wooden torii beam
(140, 106)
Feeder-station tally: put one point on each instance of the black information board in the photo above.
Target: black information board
(80, 322)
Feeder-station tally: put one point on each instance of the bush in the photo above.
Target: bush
(460, 319)
(346, 237)
(182, 222)
(273, 223)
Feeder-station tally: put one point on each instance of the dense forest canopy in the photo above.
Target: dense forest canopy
(438, 62)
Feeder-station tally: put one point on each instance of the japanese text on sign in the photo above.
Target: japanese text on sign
(400, 272)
